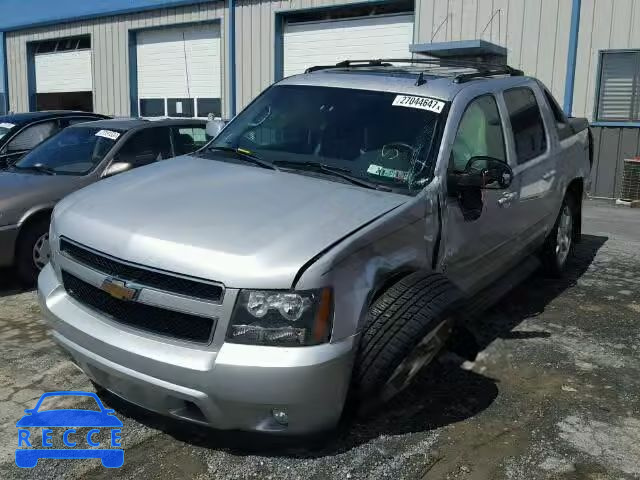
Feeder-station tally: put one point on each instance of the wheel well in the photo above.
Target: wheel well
(33, 218)
(389, 281)
(575, 190)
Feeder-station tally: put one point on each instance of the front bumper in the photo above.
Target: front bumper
(8, 237)
(230, 387)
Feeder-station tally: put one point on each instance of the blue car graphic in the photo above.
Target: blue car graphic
(28, 457)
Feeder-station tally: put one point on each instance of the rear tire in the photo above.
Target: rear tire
(558, 246)
(33, 251)
(405, 330)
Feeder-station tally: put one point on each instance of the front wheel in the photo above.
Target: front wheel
(33, 251)
(406, 329)
(559, 244)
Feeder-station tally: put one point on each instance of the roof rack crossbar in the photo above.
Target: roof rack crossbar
(482, 69)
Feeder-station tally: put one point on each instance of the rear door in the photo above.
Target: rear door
(535, 168)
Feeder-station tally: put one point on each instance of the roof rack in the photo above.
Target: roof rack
(477, 69)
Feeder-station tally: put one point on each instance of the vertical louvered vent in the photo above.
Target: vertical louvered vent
(630, 189)
(619, 94)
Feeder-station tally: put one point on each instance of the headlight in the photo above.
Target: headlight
(282, 318)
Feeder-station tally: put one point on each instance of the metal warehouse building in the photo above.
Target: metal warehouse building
(194, 58)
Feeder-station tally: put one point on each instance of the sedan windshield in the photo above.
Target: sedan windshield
(73, 151)
(382, 138)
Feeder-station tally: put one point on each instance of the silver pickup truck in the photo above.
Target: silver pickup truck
(318, 248)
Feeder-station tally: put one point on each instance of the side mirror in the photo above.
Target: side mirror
(215, 126)
(481, 173)
(115, 168)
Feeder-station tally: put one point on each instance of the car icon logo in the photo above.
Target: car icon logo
(37, 418)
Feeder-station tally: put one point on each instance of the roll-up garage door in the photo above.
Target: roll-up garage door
(327, 42)
(63, 74)
(179, 71)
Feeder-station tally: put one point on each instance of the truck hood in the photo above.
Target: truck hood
(244, 226)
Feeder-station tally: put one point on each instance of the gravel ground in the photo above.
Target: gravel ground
(552, 394)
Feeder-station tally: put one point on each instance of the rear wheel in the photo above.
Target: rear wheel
(559, 244)
(405, 330)
(33, 251)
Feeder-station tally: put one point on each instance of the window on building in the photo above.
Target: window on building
(180, 107)
(526, 123)
(152, 107)
(619, 93)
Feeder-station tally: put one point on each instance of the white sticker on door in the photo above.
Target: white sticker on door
(110, 134)
(423, 103)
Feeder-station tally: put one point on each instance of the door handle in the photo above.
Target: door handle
(506, 199)
(548, 175)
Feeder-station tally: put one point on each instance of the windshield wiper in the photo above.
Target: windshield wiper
(38, 167)
(246, 155)
(343, 173)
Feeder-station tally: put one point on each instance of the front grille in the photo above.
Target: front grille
(142, 276)
(138, 315)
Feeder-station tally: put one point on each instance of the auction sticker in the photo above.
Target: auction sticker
(110, 134)
(387, 172)
(7, 125)
(423, 103)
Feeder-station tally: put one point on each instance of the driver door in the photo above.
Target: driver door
(479, 225)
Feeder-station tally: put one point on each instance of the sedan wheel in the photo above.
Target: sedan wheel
(41, 252)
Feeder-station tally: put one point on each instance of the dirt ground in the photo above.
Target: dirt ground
(554, 392)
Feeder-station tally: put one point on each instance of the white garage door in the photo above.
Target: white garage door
(179, 71)
(328, 42)
(61, 72)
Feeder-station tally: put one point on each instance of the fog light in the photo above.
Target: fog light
(280, 416)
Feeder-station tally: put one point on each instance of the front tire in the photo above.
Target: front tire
(33, 251)
(558, 246)
(406, 328)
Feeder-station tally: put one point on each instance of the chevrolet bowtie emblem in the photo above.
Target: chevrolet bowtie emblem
(118, 289)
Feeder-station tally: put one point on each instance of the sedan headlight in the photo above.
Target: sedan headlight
(282, 318)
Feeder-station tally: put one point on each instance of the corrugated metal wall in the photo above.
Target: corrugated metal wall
(110, 59)
(604, 24)
(255, 41)
(535, 32)
(611, 147)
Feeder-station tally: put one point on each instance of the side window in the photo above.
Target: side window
(188, 139)
(32, 136)
(479, 134)
(145, 147)
(526, 123)
(561, 122)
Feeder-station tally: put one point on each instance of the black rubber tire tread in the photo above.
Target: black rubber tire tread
(547, 254)
(27, 271)
(397, 322)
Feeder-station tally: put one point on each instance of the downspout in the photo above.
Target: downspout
(232, 58)
(4, 108)
(572, 57)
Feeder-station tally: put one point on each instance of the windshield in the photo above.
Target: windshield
(73, 151)
(381, 137)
